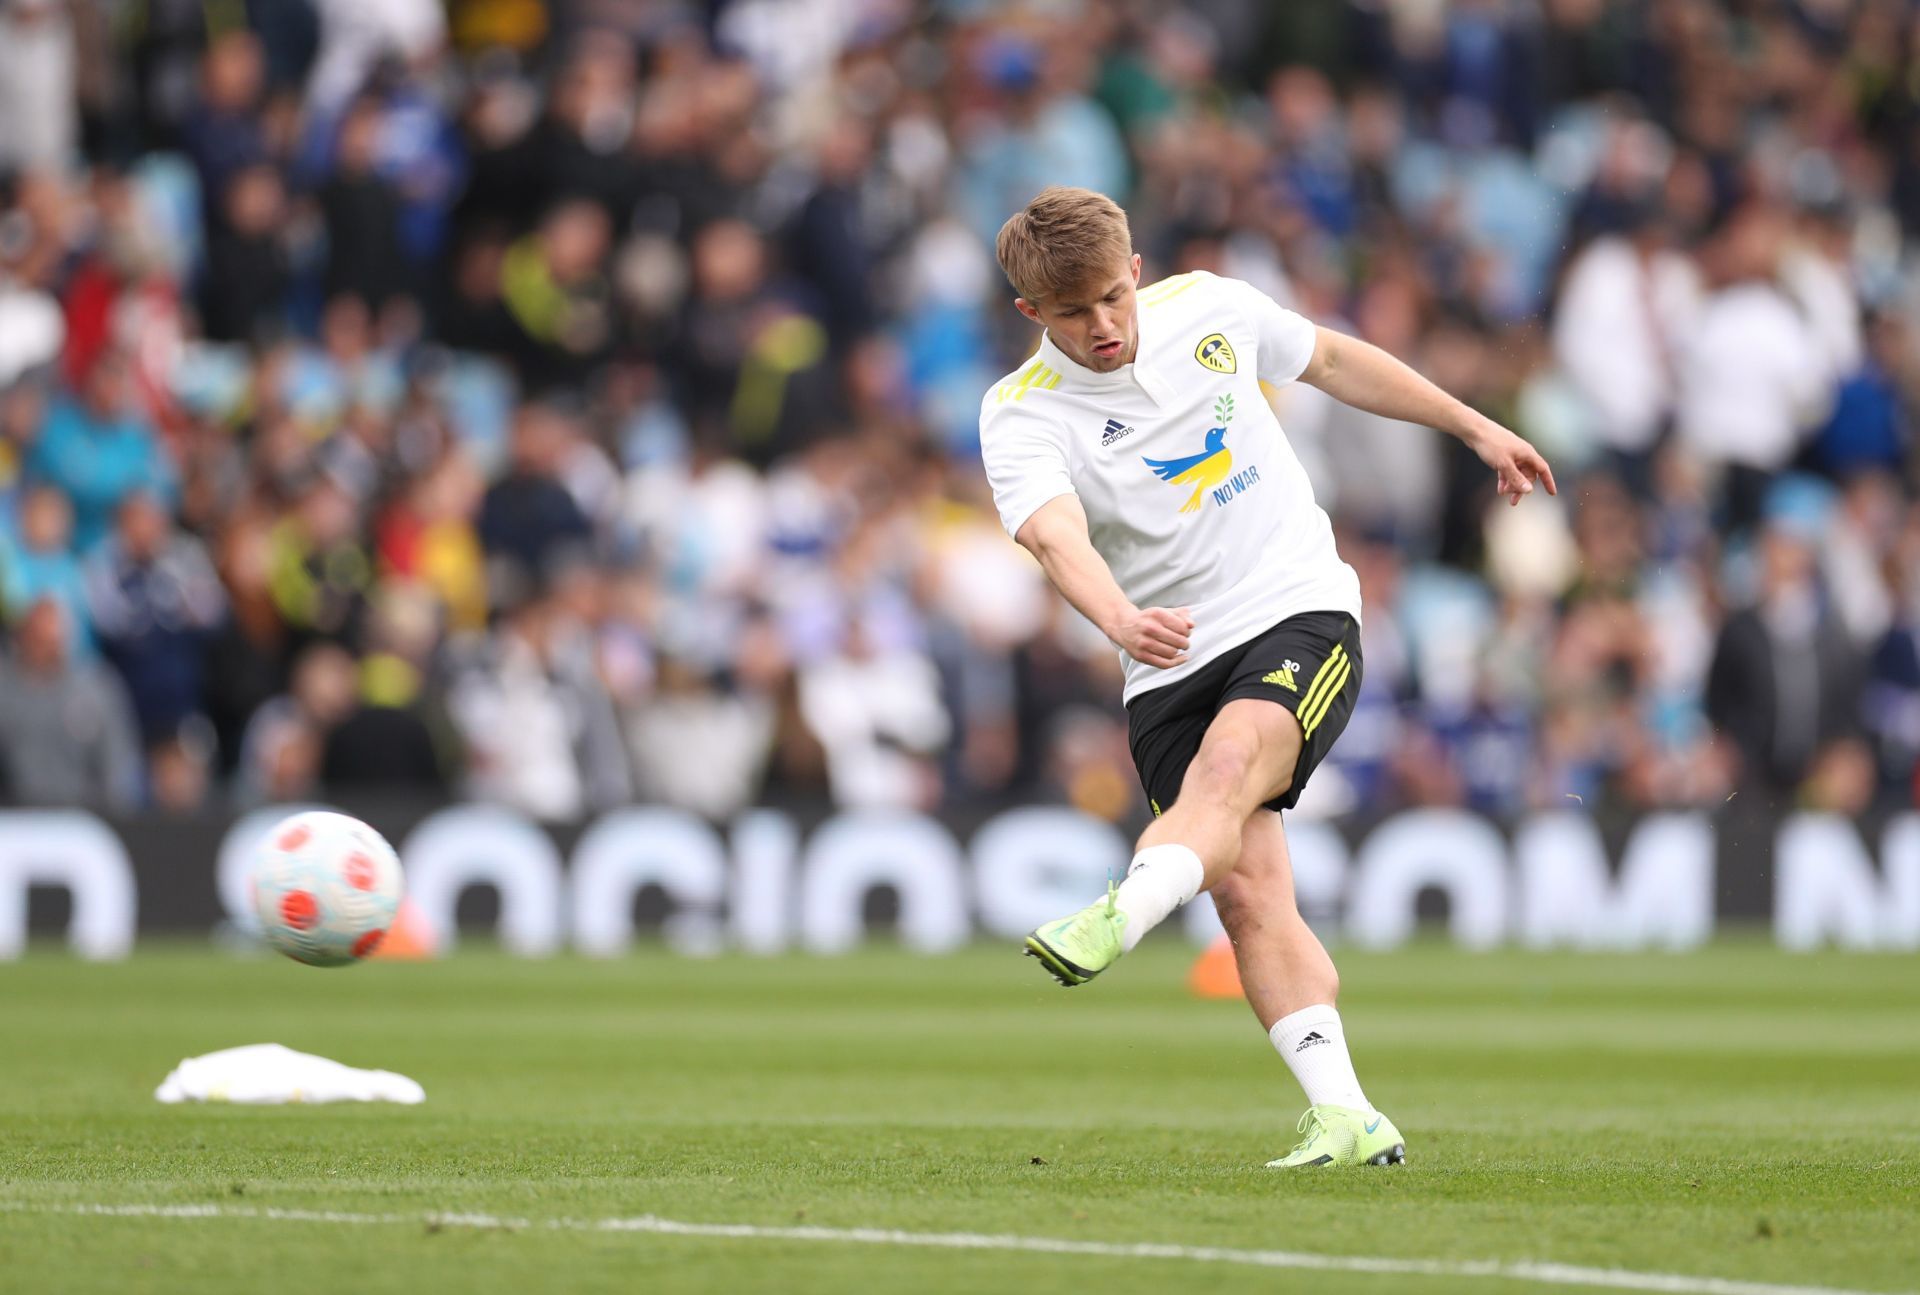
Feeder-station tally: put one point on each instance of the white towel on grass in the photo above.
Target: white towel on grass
(267, 1074)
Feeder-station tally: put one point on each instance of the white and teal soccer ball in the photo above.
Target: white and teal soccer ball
(326, 888)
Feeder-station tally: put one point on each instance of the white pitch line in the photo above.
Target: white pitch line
(1543, 1273)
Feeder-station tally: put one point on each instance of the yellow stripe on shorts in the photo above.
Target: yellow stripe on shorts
(1322, 689)
(1321, 707)
(1320, 679)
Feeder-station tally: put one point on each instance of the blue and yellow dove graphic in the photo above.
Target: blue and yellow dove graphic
(1204, 470)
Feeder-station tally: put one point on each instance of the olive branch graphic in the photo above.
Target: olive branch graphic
(1223, 410)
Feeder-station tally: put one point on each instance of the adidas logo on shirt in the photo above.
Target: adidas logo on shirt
(1310, 1040)
(1115, 429)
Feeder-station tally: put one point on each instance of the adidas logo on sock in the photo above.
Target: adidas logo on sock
(1310, 1040)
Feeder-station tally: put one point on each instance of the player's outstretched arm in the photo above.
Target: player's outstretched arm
(1056, 534)
(1366, 377)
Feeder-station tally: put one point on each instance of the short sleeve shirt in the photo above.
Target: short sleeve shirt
(1193, 496)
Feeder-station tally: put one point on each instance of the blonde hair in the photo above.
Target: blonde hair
(1063, 240)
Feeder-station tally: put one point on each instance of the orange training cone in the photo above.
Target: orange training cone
(1215, 974)
(409, 938)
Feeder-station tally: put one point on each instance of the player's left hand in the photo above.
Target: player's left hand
(1517, 464)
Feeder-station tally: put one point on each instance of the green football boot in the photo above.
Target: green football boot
(1076, 949)
(1340, 1135)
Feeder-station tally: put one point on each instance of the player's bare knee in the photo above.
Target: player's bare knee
(1246, 923)
(1253, 894)
(1229, 898)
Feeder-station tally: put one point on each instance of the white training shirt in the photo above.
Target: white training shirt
(1192, 494)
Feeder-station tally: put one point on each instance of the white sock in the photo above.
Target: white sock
(1160, 879)
(1314, 1046)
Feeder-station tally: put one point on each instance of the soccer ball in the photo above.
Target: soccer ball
(326, 888)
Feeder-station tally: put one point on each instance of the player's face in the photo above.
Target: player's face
(1094, 325)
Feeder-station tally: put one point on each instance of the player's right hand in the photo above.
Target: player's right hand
(1155, 636)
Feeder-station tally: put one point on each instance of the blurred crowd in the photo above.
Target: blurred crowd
(568, 404)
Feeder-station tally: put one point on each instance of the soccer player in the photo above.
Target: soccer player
(1137, 458)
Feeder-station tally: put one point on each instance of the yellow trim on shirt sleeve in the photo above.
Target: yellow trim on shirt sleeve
(1041, 378)
(1013, 386)
(1167, 289)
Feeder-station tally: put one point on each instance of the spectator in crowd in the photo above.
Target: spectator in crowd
(580, 147)
(384, 746)
(249, 274)
(1892, 696)
(875, 706)
(1871, 427)
(224, 133)
(31, 334)
(1037, 128)
(555, 291)
(529, 521)
(829, 244)
(1626, 305)
(39, 85)
(40, 563)
(428, 535)
(67, 734)
(361, 210)
(537, 721)
(247, 657)
(1753, 378)
(96, 449)
(356, 37)
(731, 722)
(155, 601)
(749, 367)
(281, 751)
(1784, 686)
(319, 568)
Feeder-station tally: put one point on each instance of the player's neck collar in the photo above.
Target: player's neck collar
(1080, 374)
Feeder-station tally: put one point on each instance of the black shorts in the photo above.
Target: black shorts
(1308, 663)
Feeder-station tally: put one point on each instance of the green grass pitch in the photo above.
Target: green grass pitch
(1739, 1114)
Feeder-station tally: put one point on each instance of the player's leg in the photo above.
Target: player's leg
(1283, 966)
(1246, 732)
(1292, 986)
(1245, 758)
(1285, 699)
